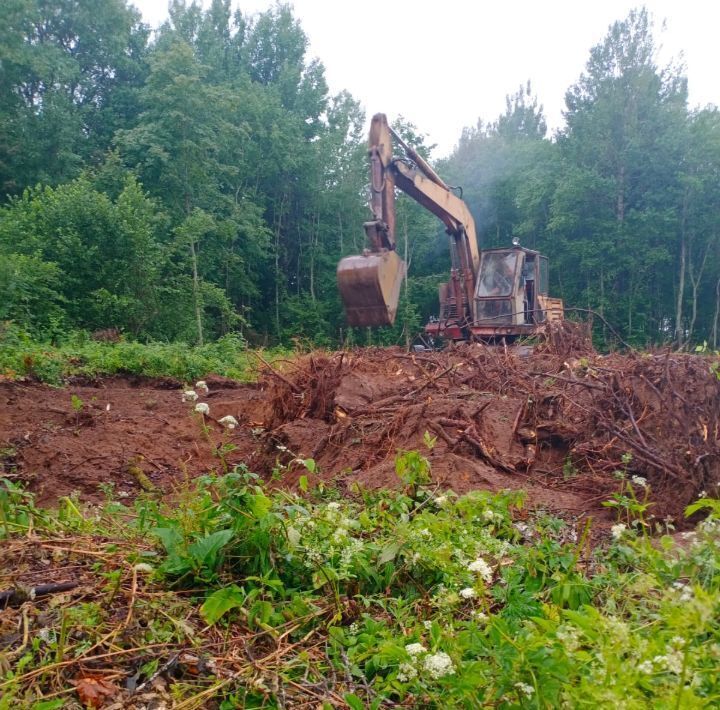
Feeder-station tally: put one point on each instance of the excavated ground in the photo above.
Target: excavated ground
(559, 422)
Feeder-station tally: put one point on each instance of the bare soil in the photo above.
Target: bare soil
(558, 422)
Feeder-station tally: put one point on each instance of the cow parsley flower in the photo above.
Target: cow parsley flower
(467, 593)
(525, 689)
(646, 667)
(639, 481)
(440, 501)
(415, 649)
(229, 421)
(201, 386)
(618, 530)
(406, 672)
(482, 568)
(203, 408)
(672, 662)
(569, 636)
(438, 665)
(189, 396)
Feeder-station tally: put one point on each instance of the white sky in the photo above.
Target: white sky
(443, 64)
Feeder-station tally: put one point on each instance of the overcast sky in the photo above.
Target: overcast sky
(443, 64)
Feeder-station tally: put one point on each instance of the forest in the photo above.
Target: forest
(201, 180)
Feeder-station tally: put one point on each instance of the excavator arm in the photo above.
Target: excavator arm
(370, 283)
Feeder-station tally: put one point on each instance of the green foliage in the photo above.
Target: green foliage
(21, 355)
(429, 600)
(202, 180)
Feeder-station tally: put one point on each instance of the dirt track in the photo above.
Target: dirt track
(556, 424)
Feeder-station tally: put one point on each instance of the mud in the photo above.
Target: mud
(559, 422)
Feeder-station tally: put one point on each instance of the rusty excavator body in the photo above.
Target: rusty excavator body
(499, 294)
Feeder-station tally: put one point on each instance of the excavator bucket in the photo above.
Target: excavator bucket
(370, 287)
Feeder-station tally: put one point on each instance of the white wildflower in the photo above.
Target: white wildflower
(488, 514)
(524, 529)
(143, 568)
(525, 689)
(203, 408)
(438, 665)
(406, 672)
(569, 636)
(229, 421)
(482, 568)
(440, 501)
(468, 593)
(618, 530)
(427, 624)
(646, 667)
(339, 535)
(333, 505)
(480, 615)
(415, 649)
(639, 481)
(672, 662)
(280, 447)
(189, 396)
(201, 386)
(617, 629)
(702, 494)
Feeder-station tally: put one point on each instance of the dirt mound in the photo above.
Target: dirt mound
(562, 427)
(559, 422)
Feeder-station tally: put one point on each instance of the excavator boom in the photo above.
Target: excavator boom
(370, 283)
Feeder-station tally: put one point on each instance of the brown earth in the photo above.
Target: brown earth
(557, 422)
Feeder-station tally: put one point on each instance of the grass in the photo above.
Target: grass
(233, 596)
(79, 356)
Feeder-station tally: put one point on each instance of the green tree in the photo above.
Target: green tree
(615, 212)
(95, 260)
(69, 70)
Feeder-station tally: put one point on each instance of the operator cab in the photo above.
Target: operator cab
(511, 293)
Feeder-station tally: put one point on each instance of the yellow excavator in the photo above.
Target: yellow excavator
(499, 294)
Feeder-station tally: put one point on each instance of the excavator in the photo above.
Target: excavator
(497, 295)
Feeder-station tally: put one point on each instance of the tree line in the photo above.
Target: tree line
(203, 180)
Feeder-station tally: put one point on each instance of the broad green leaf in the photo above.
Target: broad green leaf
(389, 552)
(702, 503)
(205, 550)
(222, 601)
(170, 538)
(259, 505)
(353, 701)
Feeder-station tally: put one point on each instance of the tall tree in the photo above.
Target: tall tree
(615, 212)
(69, 70)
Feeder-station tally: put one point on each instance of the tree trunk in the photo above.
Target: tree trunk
(196, 292)
(681, 280)
(717, 315)
(278, 226)
(695, 280)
